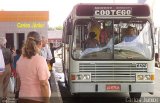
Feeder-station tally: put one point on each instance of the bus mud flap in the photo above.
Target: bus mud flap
(96, 87)
(130, 89)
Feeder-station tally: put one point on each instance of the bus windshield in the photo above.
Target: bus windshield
(113, 39)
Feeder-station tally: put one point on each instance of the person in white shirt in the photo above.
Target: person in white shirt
(2, 65)
(45, 51)
(4, 79)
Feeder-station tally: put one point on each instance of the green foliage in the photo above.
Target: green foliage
(50, 28)
(59, 27)
(56, 28)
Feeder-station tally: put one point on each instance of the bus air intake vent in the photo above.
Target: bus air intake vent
(111, 72)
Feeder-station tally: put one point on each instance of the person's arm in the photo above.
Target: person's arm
(43, 75)
(58, 47)
(45, 90)
(18, 83)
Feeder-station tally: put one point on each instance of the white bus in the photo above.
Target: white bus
(117, 66)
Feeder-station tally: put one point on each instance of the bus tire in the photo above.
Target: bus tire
(136, 95)
(76, 96)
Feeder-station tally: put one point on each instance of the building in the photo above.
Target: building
(55, 37)
(15, 25)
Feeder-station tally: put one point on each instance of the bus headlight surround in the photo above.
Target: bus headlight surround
(140, 77)
(81, 77)
(87, 77)
(145, 77)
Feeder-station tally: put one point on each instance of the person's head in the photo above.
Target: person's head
(44, 41)
(130, 30)
(51, 45)
(13, 49)
(18, 52)
(92, 35)
(33, 44)
(107, 24)
(3, 42)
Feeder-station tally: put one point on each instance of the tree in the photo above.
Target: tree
(59, 27)
(50, 28)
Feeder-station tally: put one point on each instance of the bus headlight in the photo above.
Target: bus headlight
(81, 77)
(147, 77)
(144, 77)
(140, 77)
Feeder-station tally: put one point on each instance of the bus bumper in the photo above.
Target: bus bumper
(111, 87)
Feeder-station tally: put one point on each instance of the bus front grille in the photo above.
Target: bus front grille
(111, 72)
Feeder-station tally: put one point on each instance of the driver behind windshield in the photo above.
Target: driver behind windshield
(130, 34)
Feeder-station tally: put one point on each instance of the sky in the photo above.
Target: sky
(58, 9)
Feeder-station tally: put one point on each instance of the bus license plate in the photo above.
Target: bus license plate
(113, 87)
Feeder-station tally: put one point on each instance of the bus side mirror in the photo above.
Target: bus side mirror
(69, 27)
(157, 60)
(60, 56)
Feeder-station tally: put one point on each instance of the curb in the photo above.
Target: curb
(56, 95)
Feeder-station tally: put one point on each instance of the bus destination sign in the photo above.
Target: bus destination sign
(110, 11)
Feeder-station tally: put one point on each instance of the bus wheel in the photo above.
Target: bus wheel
(76, 96)
(136, 95)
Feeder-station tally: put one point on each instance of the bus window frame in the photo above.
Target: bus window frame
(113, 45)
(69, 27)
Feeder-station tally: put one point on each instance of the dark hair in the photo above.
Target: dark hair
(30, 47)
(130, 28)
(92, 34)
(51, 44)
(18, 51)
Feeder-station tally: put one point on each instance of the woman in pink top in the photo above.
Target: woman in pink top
(32, 72)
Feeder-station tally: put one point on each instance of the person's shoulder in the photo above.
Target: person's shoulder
(43, 48)
(135, 35)
(6, 50)
(46, 48)
(20, 59)
(39, 57)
